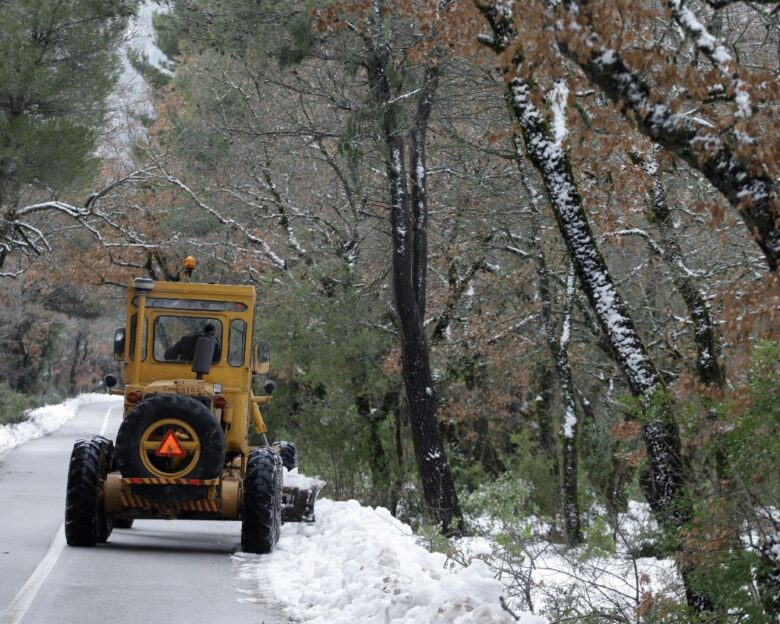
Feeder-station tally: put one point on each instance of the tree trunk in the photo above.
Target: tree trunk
(668, 476)
(768, 576)
(408, 223)
(708, 367)
(570, 429)
(560, 356)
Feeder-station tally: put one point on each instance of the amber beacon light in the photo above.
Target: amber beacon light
(189, 265)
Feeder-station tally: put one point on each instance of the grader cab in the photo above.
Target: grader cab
(182, 449)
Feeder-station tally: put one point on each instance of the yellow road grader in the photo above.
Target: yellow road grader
(182, 449)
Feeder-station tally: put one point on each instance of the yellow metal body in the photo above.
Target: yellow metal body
(147, 373)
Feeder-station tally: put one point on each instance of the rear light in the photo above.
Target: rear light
(133, 397)
(220, 402)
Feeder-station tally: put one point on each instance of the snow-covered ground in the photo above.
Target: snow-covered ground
(44, 420)
(606, 576)
(361, 565)
(356, 564)
(131, 99)
(353, 565)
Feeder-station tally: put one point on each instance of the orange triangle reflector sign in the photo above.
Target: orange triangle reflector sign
(170, 447)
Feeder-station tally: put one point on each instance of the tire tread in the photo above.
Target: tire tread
(261, 512)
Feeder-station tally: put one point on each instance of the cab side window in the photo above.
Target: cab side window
(237, 344)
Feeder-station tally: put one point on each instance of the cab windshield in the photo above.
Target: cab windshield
(175, 337)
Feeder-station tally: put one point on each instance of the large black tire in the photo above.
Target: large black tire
(186, 409)
(261, 514)
(288, 453)
(86, 523)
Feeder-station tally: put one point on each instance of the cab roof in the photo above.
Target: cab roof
(210, 292)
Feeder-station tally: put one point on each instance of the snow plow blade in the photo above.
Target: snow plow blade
(298, 497)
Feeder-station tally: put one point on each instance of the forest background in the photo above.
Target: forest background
(517, 261)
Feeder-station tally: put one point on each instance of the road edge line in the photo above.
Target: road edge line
(24, 598)
(22, 601)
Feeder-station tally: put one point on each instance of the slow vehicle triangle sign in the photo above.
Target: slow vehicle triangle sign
(170, 447)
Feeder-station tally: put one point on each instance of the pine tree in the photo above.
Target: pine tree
(59, 63)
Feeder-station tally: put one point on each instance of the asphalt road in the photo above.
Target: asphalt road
(158, 571)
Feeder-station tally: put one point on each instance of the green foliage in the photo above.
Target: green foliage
(429, 535)
(167, 34)
(59, 64)
(301, 41)
(738, 480)
(150, 73)
(237, 27)
(599, 540)
(327, 358)
(753, 444)
(536, 469)
(657, 407)
(13, 405)
(503, 508)
(52, 153)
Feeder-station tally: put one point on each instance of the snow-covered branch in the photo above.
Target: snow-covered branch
(21, 228)
(275, 259)
(715, 51)
(720, 156)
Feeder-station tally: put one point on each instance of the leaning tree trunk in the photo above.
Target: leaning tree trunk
(720, 155)
(409, 244)
(708, 365)
(668, 477)
(559, 353)
(666, 488)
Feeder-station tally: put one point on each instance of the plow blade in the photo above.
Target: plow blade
(298, 497)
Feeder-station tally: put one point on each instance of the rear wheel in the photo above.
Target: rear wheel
(261, 514)
(85, 520)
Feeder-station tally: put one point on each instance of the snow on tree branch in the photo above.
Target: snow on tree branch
(715, 51)
(20, 232)
(276, 260)
(720, 156)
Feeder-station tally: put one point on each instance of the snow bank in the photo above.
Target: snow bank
(43, 420)
(293, 478)
(360, 565)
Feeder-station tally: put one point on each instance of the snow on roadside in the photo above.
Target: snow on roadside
(360, 565)
(606, 576)
(43, 420)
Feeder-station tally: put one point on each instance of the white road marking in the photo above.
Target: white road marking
(105, 420)
(22, 601)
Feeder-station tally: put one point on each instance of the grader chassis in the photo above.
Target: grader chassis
(182, 448)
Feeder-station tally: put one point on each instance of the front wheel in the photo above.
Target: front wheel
(85, 520)
(288, 453)
(261, 514)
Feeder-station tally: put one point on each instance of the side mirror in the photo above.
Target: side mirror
(269, 386)
(119, 344)
(261, 358)
(110, 381)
